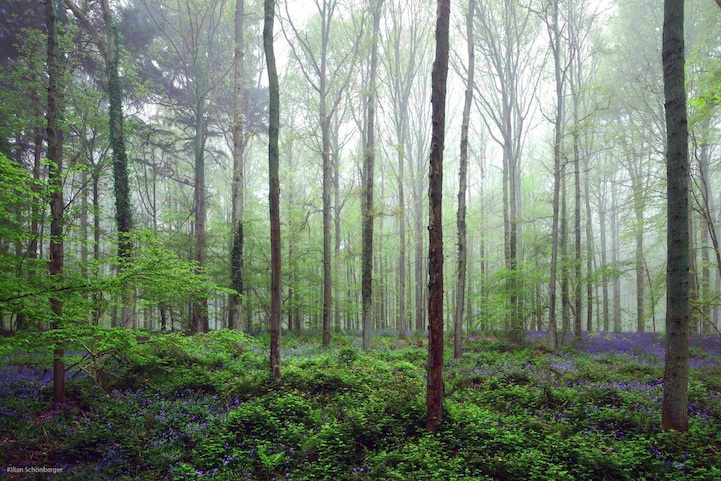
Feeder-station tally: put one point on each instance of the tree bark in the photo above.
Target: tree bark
(462, 187)
(557, 231)
(434, 387)
(274, 188)
(674, 413)
(200, 305)
(235, 304)
(615, 259)
(121, 182)
(578, 256)
(110, 52)
(602, 210)
(55, 181)
(367, 200)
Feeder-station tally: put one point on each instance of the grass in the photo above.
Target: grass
(170, 407)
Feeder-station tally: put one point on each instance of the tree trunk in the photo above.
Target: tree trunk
(200, 305)
(337, 232)
(589, 250)
(274, 189)
(557, 228)
(674, 413)
(693, 289)
(235, 304)
(367, 200)
(640, 286)
(615, 259)
(462, 181)
(325, 135)
(55, 181)
(578, 256)
(402, 324)
(565, 290)
(434, 387)
(123, 212)
(604, 259)
(707, 227)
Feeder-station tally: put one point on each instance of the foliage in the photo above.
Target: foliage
(204, 406)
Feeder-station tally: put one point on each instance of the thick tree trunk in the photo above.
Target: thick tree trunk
(674, 413)
(274, 189)
(434, 387)
(462, 187)
(235, 304)
(55, 181)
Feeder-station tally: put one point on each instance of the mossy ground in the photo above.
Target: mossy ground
(173, 407)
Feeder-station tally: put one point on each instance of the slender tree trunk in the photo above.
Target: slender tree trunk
(324, 118)
(419, 270)
(557, 228)
(615, 259)
(589, 250)
(97, 296)
(578, 256)
(462, 181)
(434, 387)
(368, 174)
(235, 304)
(200, 305)
(327, 286)
(402, 324)
(336, 229)
(604, 261)
(55, 181)
(707, 228)
(274, 189)
(565, 290)
(674, 413)
(693, 294)
(640, 285)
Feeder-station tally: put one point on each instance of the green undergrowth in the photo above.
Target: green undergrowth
(174, 407)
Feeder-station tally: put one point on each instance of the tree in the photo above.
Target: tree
(367, 212)
(674, 413)
(506, 40)
(462, 183)
(193, 30)
(434, 386)
(554, 36)
(405, 43)
(274, 187)
(329, 76)
(110, 51)
(55, 182)
(235, 308)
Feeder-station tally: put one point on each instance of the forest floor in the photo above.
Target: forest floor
(151, 406)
